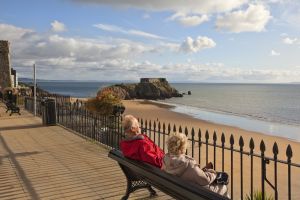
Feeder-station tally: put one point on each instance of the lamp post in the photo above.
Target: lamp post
(34, 90)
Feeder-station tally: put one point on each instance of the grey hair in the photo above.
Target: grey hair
(129, 122)
(177, 143)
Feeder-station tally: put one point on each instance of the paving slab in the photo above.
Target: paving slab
(51, 162)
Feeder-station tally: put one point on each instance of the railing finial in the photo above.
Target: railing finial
(241, 142)
(186, 131)
(251, 144)
(275, 149)
(215, 136)
(206, 135)
(289, 152)
(223, 138)
(262, 146)
(231, 140)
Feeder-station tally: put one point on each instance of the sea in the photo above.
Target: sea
(272, 109)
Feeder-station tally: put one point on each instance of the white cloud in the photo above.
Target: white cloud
(186, 6)
(288, 40)
(117, 29)
(107, 58)
(192, 46)
(188, 20)
(274, 53)
(28, 45)
(13, 33)
(57, 26)
(254, 19)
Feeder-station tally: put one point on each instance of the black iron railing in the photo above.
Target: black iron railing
(251, 169)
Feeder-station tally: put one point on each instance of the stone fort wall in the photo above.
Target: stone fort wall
(5, 69)
(153, 80)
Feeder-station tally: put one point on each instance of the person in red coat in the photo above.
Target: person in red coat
(139, 146)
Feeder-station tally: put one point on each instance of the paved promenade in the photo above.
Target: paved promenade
(38, 162)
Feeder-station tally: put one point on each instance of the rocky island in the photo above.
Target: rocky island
(147, 88)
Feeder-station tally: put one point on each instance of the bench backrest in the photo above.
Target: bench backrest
(172, 185)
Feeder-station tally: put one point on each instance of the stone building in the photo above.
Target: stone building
(153, 80)
(14, 78)
(5, 69)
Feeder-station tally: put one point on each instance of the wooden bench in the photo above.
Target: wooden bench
(12, 108)
(142, 175)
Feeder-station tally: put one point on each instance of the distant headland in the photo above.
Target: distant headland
(147, 88)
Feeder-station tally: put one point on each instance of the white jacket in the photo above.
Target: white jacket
(186, 168)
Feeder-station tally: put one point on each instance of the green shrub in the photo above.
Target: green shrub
(257, 195)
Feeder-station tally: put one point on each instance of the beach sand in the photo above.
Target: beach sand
(148, 110)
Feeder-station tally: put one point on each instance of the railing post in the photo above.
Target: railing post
(154, 132)
(231, 140)
(150, 126)
(186, 134)
(164, 136)
(289, 154)
(142, 124)
(223, 145)
(215, 144)
(94, 126)
(275, 152)
(158, 133)
(263, 168)
(206, 143)
(199, 145)
(241, 143)
(251, 146)
(57, 111)
(193, 141)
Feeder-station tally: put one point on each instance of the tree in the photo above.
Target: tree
(104, 102)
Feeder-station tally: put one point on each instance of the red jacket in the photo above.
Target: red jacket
(144, 149)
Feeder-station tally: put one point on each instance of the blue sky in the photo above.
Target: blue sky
(246, 41)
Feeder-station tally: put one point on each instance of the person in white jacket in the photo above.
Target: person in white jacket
(177, 163)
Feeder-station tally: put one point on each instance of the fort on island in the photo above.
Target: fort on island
(147, 88)
(153, 80)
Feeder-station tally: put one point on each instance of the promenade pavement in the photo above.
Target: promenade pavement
(50, 162)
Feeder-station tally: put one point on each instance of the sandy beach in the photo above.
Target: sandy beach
(148, 110)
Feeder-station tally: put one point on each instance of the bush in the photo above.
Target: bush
(103, 103)
(258, 196)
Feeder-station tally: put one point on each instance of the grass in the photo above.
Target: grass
(258, 196)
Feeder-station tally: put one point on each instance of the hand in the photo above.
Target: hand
(208, 166)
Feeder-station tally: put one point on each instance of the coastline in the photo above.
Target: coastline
(157, 111)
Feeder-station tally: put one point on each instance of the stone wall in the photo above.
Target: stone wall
(153, 80)
(5, 71)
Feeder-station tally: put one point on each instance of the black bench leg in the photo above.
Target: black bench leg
(128, 190)
(152, 191)
(138, 185)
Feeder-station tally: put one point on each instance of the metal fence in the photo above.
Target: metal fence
(251, 169)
